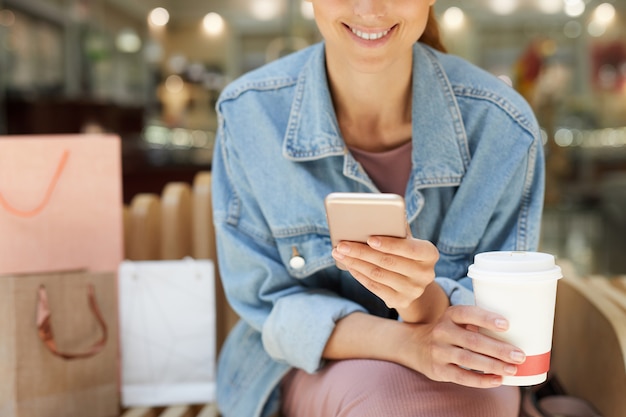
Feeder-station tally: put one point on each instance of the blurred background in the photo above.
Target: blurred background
(151, 70)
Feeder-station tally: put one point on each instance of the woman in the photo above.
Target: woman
(391, 332)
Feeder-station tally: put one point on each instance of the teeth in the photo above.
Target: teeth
(369, 36)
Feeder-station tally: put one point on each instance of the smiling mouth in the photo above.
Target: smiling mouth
(370, 36)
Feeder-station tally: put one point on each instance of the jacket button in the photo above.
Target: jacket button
(296, 261)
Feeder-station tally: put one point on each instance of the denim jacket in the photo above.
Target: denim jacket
(476, 185)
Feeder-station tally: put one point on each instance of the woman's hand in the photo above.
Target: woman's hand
(449, 349)
(453, 350)
(399, 271)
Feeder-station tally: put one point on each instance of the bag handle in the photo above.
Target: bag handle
(44, 326)
(47, 195)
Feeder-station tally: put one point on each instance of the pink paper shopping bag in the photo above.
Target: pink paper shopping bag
(60, 203)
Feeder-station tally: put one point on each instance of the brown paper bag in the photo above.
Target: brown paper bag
(60, 203)
(59, 345)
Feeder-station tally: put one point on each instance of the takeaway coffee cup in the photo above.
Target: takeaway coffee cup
(521, 286)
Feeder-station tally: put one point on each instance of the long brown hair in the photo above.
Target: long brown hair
(431, 35)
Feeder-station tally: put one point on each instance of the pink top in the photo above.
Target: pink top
(390, 170)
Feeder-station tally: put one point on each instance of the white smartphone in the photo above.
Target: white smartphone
(357, 216)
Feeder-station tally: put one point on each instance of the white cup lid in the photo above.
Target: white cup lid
(500, 265)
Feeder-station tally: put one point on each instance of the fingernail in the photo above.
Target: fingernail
(510, 369)
(517, 356)
(337, 255)
(374, 242)
(502, 324)
(496, 381)
(343, 248)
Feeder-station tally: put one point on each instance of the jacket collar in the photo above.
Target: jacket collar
(440, 151)
(313, 131)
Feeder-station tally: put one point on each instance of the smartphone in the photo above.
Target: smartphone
(357, 216)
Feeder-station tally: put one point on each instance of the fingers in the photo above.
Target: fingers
(465, 367)
(382, 266)
(472, 316)
(395, 288)
(480, 359)
(403, 256)
(458, 343)
(470, 378)
(415, 249)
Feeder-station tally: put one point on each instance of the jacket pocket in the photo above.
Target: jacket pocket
(305, 253)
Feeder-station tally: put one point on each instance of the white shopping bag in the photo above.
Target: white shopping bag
(167, 332)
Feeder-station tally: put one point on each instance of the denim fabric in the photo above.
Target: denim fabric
(476, 185)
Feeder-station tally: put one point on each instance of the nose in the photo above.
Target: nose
(370, 8)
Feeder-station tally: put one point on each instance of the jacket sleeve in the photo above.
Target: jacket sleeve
(295, 321)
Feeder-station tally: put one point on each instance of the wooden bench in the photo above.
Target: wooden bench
(589, 347)
(208, 410)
